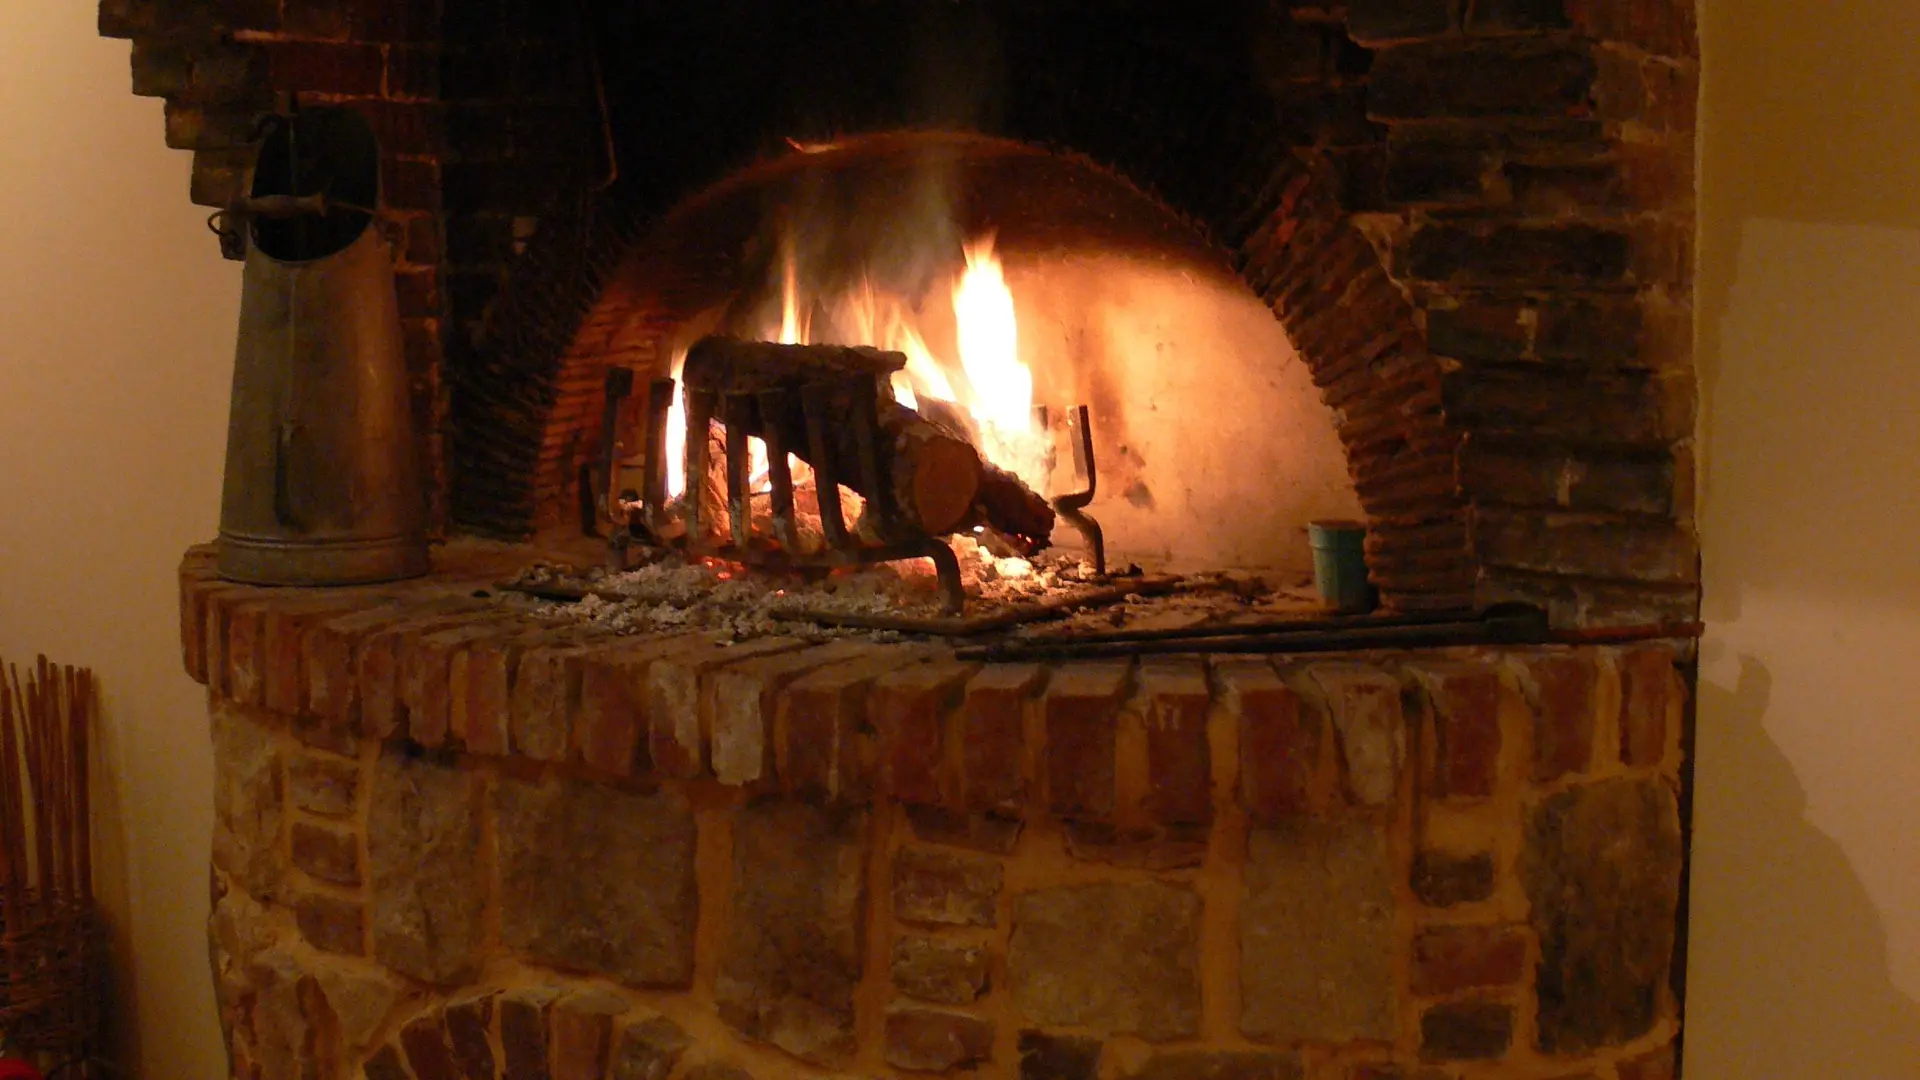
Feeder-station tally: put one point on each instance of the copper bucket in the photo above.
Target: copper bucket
(322, 483)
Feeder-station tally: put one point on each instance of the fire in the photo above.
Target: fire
(989, 382)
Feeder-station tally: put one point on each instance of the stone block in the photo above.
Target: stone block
(1364, 704)
(352, 70)
(940, 888)
(1465, 704)
(423, 830)
(993, 735)
(1317, 934)
(1443, 880)
(359, 995)
(1436, 172)
(1279, 741)
(248, 800)
(1650, 691)
(1560, 688)
(581, 1029)
(1376, 21)
(469, 1026)
(1448, 959)
(546, 683)
(939, 970)
(523, 1032)
(1601, 867)
(1466, 1031)
(648, 1049)
(908, 710)
(934, 1040)
(1114, 958)
(1220, 1065)
(424, 1039)
(629, 906)
(1465, 79)
(331, 923)
(1179, 760)
(1081, 707)
(1045, 1056)
(324, 785)
(385, 1064)
(1592, 330)
(326, 853)
(792, 958)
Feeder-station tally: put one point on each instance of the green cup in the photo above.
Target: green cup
(1340, 565)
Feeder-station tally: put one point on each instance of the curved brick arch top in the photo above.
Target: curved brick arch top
(1475, 220)
(1208, 145)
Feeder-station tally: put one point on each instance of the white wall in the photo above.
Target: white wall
(1805, 959)
(116, 347)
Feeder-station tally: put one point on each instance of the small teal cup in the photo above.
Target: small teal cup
(1340, 565)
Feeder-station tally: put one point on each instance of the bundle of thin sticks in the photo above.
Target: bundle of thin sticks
(47, 922)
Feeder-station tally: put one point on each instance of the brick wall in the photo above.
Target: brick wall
(1474, 219)
(453, 844)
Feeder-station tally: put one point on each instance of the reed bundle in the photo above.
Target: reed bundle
(49, 927)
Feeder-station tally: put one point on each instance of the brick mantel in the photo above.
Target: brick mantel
(533, 849)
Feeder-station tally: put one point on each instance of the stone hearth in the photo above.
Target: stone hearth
(451, 844)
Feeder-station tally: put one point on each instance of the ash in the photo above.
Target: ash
(733, 602)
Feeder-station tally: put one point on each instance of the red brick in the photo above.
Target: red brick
(1648, 688)
(331, 662)
(745, 699)
(425, 1041)
(410, 184)
(219, 599)
(678, 706)
(380, 663)
(1466, 723)
(523, 1031)
(1560, 689)
(993, 736)
(1179, 761)
(1447, 959)
(613, 702)
(328, 67)
(582, 1030)
(820, 755)
(908, 710)
(480, 678)
(427, 674)
(197, 575)
(469, 1021)
(1081, 707)
(245, 656)
(287, 625)
(1279, 742)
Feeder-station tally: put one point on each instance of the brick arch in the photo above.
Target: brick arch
(1521, 171)
(1210, 149)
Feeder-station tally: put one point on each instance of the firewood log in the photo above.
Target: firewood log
(933, 475)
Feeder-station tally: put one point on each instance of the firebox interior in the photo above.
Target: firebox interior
(1214, 447)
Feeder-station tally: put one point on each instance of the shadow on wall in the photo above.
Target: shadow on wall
(1812, 997)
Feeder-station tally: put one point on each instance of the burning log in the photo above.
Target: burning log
(925, 474)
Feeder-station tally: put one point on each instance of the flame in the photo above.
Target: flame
(1001, 400)
(990, 382)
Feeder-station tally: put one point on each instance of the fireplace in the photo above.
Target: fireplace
(1419, 264)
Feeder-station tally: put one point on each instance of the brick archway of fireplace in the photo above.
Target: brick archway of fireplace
(1502, 192)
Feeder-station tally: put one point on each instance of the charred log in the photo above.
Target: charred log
(927, 475)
